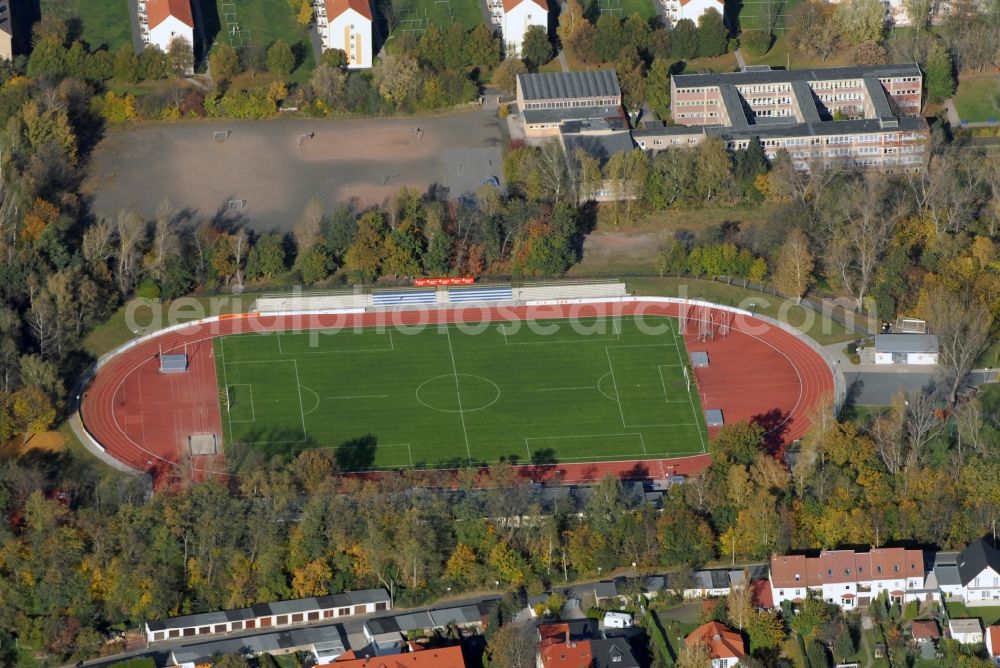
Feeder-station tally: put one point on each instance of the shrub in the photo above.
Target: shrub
(756, 42)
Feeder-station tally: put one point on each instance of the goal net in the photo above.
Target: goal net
(910, 326)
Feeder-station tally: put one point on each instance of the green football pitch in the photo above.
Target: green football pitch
(557, 391)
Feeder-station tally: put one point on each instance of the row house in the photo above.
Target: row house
(851, 579)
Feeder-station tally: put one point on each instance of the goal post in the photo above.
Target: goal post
(220, 135)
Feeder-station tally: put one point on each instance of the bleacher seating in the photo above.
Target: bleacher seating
(569, 291)
(500, 293)
(404, 297)
(306, 302)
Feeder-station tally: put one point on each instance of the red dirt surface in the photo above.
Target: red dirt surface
(757, 372)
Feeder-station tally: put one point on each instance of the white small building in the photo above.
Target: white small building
(167, 20)
(966, 631)
(518, 16)
(348, 27)
(906, 349)
(689, 9)
(617, 620)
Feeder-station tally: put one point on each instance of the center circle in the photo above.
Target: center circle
(454, 393)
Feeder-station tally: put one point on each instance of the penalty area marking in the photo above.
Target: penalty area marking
(253, 414)
(312, 392)
(663, 382)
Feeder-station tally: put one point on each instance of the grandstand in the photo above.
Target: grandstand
(545, 292)
(325, 301)
(535, 292)
(404, 297)
(501, 293)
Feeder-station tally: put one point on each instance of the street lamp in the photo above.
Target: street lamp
(498, 584)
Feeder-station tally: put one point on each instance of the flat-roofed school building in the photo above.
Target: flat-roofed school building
(864, 116)
(270, 615)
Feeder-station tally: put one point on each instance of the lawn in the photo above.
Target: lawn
(541, 392)
(976, 99)
(414, 15)
(104, 22)
(820, 328)
(261, 23)
(986, 613)
(753, 14)
(626, 8)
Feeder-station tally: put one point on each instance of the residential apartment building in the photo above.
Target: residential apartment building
(6, 31)
(852, 579)
(163, 21)
(517, 16)
(675, 10)
(347, 25)
(863, 116)
(546, 100)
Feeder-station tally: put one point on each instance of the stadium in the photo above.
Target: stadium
(568, 382)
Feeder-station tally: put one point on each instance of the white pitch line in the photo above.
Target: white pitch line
(225, 381)
(458, 393)
(298, 387)
(694, 411)
(360, 396)
(565, 389)
(618, 397)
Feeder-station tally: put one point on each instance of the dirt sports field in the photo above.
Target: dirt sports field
(277, 166)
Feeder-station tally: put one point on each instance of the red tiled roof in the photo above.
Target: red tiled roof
(841, 566)
(762, 597)
(925, 629)
(575, 654)
(511, 4)
(684, 3)
(993, 637)
(722, 643)
(847, 597)
(159, 11)
(442, 657)
(335, 8)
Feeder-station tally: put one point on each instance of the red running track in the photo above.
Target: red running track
(757, 372)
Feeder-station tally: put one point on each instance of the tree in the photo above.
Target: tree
(513, 646)
(633, 84)
(919, 12)
(939, 73)
(609, 37)
(684, 40)
(816, 655)
(811, 28)
(280, 59)
(793, 270)
(181, 56)
(32, 411)
(658, 87)
(739, 602)
(843, 644)
(963, 329)
(48, 58)
(571, 22)
(860, 21)
(397, 77)
(223, 62)
(536, 49)
(756, 42)
(737, 443)
(686, 539)
(328, 83)
(505, 76)
(694, 655)
(766, 630)
(126, 64)
(712, 33)
(713, 168)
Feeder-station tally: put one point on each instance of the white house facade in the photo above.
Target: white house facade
(906, 349)
(966, 631)
(518, 16)
(167, 20)
(689, 9)
(851, 579)
(349, 28)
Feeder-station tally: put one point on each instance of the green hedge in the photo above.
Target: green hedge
(658, 639)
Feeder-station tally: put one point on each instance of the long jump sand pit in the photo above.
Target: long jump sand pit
(275, 167)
